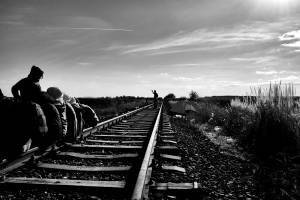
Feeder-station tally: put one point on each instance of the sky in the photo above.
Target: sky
(101, 48)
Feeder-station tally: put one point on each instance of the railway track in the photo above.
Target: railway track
(113, 160)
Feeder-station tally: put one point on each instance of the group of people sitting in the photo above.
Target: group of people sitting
(38, 118)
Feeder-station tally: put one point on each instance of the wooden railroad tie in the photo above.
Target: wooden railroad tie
(175, 186)
(118, 147)
(121, 136)
(115, 141)
(64, 182)
(91, 156)
(83, 168)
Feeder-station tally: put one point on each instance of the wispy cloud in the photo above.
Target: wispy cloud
(88, 28)
(100, 29)
(179, 78)
(182, 78)
(291, 38)
(164, 74)
(287, 79)
(274, 72)
(201, 38)
(85, 63)
(292, 35)
(17, 23)
(294, 44)
(256, 60)
(266, 72)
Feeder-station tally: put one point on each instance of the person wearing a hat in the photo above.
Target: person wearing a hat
(29, 89)
(57, 97)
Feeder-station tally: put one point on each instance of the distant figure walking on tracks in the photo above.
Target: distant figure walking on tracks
(29, 88)
(155, 98)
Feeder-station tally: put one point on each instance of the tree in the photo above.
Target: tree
(167, 98)
(193, 95)
(170, 96)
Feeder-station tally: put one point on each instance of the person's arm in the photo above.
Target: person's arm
(15, 90)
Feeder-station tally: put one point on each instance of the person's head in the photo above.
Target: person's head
(35, 73)
(55, 94)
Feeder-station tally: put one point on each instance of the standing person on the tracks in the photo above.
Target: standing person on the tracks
(29, 88)
(155, 98)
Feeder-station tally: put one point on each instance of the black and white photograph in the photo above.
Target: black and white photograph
(150, 99)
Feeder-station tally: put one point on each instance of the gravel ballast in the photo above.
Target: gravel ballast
(222, 176)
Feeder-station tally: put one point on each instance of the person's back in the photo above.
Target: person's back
(28, 88)
(155, 95)
(89, 116)
(155, 98)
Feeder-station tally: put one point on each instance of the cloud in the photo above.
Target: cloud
(67, 42)
(266, 72)
(86, 28)
(98, 29)
(182, 78)
(274, 72)
(179, 78)
(287, 79)
(164, 74)
(291, 38)
(204, 39)
(256, 60)
(294, 44)
(84, 63)
(16, 23)
(292, 35)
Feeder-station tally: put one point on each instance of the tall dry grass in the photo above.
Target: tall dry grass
(267, 119)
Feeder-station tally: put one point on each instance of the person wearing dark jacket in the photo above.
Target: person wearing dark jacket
(155, 98)
(29, 89)
(89, 116)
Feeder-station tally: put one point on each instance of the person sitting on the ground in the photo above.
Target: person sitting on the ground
(90, 119)
(28, 88)
(89, 116)
(78, 112)
(57, 98)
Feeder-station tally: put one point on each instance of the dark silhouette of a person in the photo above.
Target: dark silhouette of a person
(29, 89)
(1, 95)
(155, 98)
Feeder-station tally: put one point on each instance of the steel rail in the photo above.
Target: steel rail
(140, 185)
(23, 158)
(109, 122)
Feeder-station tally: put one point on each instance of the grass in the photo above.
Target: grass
(107, 107)
(266, 124)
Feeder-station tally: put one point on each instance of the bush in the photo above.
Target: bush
(274, 131)
(210, 113)
(193, 95)
(238, 121)
(266, 124)
(218, 115)
(204, 113)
